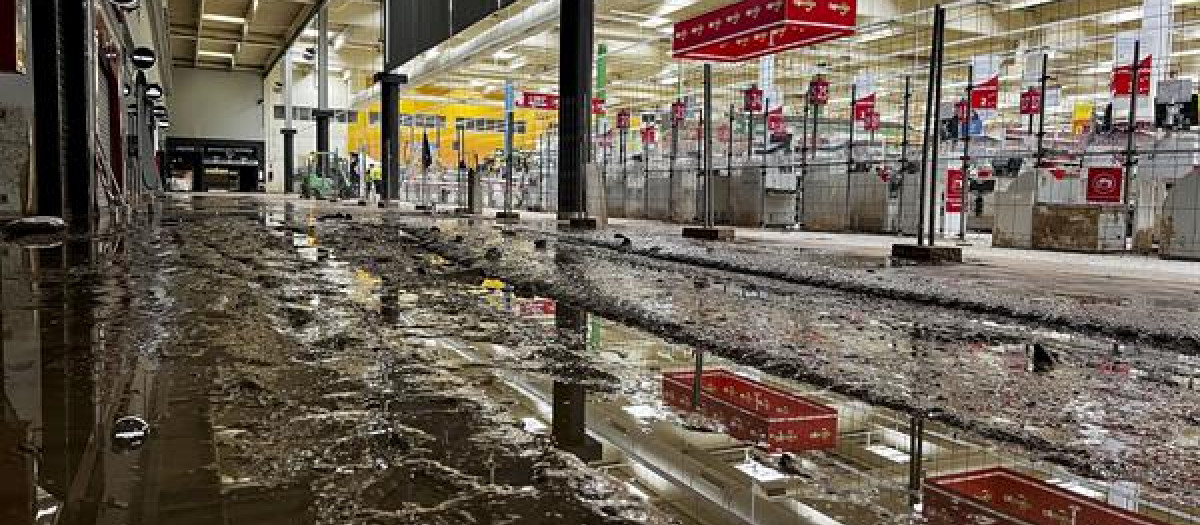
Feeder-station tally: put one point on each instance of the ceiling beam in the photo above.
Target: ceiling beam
(305, 16)
(199, 31)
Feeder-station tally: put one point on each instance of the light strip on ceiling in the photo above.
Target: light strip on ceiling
(213, 17)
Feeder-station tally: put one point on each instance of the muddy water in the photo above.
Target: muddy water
(277, 386)
(297, 367)
(1100, 412)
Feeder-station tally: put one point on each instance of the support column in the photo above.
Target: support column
(322, 114)
(509, 161)
(574, 113)
(389, 121)
(289, 128)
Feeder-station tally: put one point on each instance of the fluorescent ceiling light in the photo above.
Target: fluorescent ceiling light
(670, 6)
(504, 55)
(1186, 53)
(668, 81)
(1025, 4)
(876, 35)
(654, 21)
(217, 54)
(213, 17)
(1122, 16)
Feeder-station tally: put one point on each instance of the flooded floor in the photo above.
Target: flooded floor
(244, 361)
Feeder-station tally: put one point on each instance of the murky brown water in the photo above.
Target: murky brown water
(300, 367)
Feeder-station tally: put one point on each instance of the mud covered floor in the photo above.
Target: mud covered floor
(294, 364)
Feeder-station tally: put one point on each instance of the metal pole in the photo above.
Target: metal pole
(803, 159)
(390, 134)
(902, 173)
(323, 113)
(697, 380)
(939, 36)
(966, 159)
(508, 145)
(1040, 152)
(926, 136)
(708, 193)
(729, 143)
(762, 210)
(1130, 150)
(671, 166)
(749, 131)
(624, 173)
(850, 152)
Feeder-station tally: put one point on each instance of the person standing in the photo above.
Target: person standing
(376, 175)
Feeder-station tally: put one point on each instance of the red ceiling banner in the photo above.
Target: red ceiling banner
(550, 102)
(754, 28)
(872, 121)
(1031, 101)
(818, 91)
(775, 122)
(863, 107)
(752, 99)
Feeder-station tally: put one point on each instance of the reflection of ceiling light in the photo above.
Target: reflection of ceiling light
(668, 81)
(213, 17)
(1122, 16)
(517, 64)
(504, 55)
(215, 54)
(654, 21)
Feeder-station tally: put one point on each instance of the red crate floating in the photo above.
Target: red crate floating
(753, 28)
(753, 411)
(1003, 496)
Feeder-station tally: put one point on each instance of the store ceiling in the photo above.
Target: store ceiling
(893, 41)
(249, 35)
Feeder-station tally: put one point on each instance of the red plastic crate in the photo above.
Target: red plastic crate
(753, 411)
(1003, 496)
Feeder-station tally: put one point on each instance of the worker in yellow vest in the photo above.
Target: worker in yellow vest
(375, 174)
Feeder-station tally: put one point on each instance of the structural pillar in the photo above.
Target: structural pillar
(322, 114)
(289, 127)
(574, 113)
(389, 120)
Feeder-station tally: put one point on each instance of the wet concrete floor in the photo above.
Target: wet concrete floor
(296, 365)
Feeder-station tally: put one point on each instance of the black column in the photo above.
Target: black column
(389, 120)
(289, 159)
(575, 108)
(75, 22)
(322, 117)
(47, 97)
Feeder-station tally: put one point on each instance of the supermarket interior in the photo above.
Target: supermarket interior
(525, 262)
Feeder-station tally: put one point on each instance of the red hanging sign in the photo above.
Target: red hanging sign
(818, 91)
(954, 193)
(678, 111)
(551, 102)
(986, 95)
(753, 28)
(863, 107)
(961, 111)
(1123, 74)
(775, 122)
(1031, 101)
(649, 135)
(623, 119)
(1104, 184)
(872, 121)
(752, 99)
